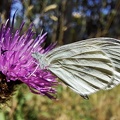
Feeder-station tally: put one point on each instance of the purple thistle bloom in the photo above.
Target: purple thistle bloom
(16, 62)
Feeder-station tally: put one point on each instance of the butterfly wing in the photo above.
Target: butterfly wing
(87, 66)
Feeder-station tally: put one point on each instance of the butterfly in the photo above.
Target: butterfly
(85, 66)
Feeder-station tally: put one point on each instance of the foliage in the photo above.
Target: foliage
(69, 106)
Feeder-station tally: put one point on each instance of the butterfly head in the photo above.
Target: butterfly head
(40, 58)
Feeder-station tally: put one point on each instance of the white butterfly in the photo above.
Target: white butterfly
(85, 66)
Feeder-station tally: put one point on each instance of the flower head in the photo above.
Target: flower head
(17, 63)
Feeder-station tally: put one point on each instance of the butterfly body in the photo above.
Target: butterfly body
(85, 66)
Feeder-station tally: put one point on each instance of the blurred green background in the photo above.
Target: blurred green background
(65, 21)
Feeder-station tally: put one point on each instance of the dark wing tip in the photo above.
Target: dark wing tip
(85, 97)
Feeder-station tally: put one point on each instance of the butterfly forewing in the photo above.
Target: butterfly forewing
(87, 66)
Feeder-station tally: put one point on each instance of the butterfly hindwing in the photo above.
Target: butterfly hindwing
(86, 66)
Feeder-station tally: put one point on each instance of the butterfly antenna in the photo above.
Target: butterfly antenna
(41, 32)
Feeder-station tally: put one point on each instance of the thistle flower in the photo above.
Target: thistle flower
(18, 66)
